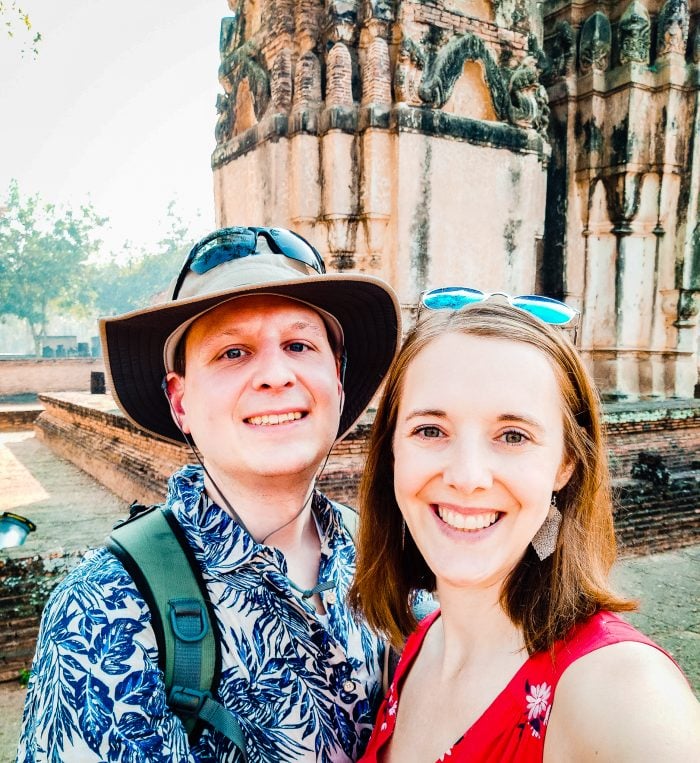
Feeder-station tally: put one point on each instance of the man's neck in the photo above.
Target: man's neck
(278, 508)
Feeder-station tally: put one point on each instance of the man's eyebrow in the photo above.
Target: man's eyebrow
(303, 325)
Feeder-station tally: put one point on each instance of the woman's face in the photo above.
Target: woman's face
(478, 451)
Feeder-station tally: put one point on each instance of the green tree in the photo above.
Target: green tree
(44, 252)
(13, 16)
(122, 286)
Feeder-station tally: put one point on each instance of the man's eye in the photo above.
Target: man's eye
(298, 346)
(233, 353)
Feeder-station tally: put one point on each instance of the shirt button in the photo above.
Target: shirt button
(348, 686)
(330, 597)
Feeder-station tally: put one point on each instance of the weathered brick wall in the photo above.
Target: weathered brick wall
(655, 461)
(18, 419)
(47, 374)
(25, 584)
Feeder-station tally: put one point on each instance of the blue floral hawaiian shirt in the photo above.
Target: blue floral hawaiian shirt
(302, 686)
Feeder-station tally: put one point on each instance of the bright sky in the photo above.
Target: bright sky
(118, 108)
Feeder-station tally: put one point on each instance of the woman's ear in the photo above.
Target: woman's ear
(174, 388)
(566, 469)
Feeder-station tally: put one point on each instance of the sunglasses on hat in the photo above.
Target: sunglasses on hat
(548, 310)
(235, 243)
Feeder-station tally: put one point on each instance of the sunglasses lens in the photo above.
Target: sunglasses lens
(451, 298)
(297, 248)
(234, 244)
(548, 310)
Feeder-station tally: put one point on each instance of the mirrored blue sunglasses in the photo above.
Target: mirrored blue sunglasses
(549, 310)
(237, 242)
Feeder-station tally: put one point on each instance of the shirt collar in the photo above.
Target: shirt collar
(220, 542)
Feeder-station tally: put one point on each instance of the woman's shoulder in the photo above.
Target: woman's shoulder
(624, 700)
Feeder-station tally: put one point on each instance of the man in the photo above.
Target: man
(260, 361)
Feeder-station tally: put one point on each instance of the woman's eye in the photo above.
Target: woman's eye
(428, 432)
(513, 438)
(233, 353)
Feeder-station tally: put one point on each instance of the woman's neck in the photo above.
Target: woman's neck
(474, 629)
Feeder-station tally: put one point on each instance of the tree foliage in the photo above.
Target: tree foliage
(13, 16)
(44, 252)
(122, 286)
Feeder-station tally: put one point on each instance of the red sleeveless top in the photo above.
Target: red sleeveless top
(513, 727)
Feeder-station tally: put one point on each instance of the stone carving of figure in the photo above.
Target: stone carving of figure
(561, 51)
(382, 10)
(529, 104)
(342, 21)
(307, 81)
(635, 34)
(281, 81)
(408, 72)
(224, 119)
(594, 45)
(672, 29)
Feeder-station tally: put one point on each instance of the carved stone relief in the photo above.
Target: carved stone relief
(438, 81)
(242, 77)
(594, 45)
(410, 62)
(635, 34)
(528, 105)
(224, 119)
(672, 28)
(562, 51)
(341, 21)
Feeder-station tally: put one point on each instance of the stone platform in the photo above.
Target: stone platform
(653, 447)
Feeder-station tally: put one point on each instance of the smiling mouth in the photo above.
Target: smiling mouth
(467, 522)
(273, 419)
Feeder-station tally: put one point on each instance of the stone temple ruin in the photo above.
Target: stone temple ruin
(513, 146)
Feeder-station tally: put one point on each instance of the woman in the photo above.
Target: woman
(487, 482)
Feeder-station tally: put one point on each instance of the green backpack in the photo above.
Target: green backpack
(182, 616)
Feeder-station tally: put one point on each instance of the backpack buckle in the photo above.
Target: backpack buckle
(187, 701)
(188, 619)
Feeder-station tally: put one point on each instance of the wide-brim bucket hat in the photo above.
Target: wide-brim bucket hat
(138, 346)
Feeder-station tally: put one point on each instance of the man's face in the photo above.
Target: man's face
(261, 394)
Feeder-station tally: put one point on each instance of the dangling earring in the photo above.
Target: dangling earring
(403, 534)
(545, 540)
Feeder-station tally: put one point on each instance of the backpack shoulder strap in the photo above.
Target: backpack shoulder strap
(154, 551)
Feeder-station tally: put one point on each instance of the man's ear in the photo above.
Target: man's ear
(174, 388)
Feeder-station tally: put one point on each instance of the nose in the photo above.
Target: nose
(468, 467)
(273, 369)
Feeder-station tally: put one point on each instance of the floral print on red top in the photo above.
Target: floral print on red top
(538, 701)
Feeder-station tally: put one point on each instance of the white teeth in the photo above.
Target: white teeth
(274, 418)
(467, 521)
